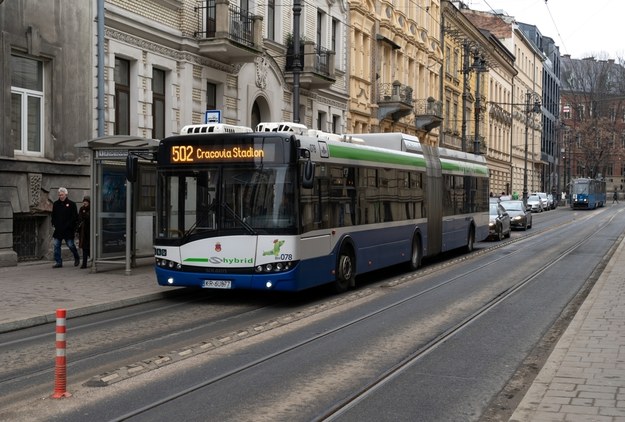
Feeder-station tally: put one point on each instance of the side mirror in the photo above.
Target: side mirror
(132, 168)
(308, 176)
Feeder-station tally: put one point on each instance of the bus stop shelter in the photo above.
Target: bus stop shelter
(122, 212)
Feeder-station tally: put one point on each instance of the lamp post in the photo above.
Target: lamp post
(534, 109)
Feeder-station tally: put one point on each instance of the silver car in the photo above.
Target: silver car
(544, 199)
(535, 203)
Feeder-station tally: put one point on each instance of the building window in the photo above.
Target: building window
(321, 120)
(335, 34)
(147, 198)
(320, 25)
(27, 105)
(271, 20)
(122, 97)
(566, 111)
(211, 96)
(336, 124)
(158, 104)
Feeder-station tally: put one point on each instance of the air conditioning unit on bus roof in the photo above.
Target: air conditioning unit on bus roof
(326, 136)
(296, 128)
(214, 128)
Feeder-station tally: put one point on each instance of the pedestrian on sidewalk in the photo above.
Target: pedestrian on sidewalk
(84, 229)
(64, 219)
(615, 197)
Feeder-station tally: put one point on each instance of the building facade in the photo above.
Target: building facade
(478, 74)
(45, 97)
(395, 61)
(452, 76)
(593, 117)
(526, 135)
(551, 123)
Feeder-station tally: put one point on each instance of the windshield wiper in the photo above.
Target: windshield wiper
(238, 218)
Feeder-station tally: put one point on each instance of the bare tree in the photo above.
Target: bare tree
(594, 91)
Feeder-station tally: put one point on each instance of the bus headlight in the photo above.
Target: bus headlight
(275, 267)
(165, 263)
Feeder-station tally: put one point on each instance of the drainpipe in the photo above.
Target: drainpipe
(297, 59)
(100, 68)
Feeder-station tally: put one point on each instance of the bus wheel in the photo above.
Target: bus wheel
(471, 240)
(345, 272)
(415, 256)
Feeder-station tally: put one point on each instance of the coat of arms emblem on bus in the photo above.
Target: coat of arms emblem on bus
(277, 244)
(217, 247)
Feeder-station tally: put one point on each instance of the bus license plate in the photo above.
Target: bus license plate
(217, 284)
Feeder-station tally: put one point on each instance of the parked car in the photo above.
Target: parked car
(520, 214)
(553, 202)
(499, 222)
(535, 203)
(544, 199)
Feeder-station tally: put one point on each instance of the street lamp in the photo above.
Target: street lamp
(534, 109)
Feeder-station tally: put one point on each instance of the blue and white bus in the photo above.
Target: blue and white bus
(288, 210)
(588, 194)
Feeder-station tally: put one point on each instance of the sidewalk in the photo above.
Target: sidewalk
(582, 380)
(32, 292)
(584, 377)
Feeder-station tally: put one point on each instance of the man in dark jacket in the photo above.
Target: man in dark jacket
(64, 219)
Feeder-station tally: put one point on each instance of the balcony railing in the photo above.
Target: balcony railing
(429, 107)
(428, 114)
(240, 28)
(395, 92)
(320, 59)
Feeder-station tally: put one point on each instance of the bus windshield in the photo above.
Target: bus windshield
(236, 200)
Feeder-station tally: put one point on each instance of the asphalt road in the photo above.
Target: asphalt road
(437, 344)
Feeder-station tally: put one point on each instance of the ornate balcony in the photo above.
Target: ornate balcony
(394, 100)
(317, 66)
(428, 114)
(227, 33)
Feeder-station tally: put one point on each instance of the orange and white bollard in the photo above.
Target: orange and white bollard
(60, 370)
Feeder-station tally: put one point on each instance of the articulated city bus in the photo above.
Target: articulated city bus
(284, 208)
(588, 193)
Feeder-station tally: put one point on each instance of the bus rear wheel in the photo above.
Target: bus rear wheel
(345, 271)
(471, 240)
(416, 254)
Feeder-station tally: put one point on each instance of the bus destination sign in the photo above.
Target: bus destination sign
(190, 154)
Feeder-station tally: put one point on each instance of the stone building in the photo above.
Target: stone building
(527, 88)
(46, 81)
(478, 75)
(163, 64)
(395, 61)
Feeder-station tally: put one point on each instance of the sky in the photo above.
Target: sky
(580, 28)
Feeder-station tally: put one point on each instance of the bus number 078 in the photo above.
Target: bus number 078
(286, 257)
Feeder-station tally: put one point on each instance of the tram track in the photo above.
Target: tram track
(338, 408)
(87, 356)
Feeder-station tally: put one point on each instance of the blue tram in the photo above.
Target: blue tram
(588, 193)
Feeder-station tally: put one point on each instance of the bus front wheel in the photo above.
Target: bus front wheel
(345, 271)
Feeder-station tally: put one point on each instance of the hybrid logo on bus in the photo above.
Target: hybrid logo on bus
(230, 261)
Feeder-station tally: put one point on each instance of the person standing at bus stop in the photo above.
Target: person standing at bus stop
(615, 197)
(84, 229)
(64, 219)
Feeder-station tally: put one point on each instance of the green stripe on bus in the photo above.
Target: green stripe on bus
(196, 260)
(464, 167)
(339, 151)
